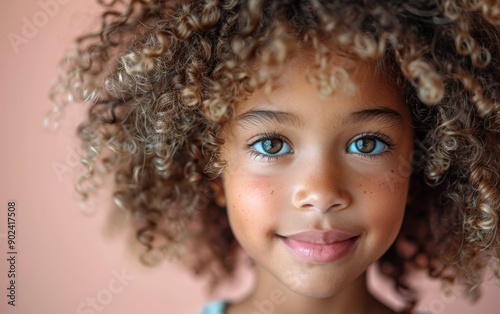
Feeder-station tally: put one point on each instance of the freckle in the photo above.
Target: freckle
(272, 192)
(392, 171)
(364, 192)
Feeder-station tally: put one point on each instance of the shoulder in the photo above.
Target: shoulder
(214, 307)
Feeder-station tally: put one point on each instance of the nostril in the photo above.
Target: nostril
(321, 184)
(322, 202)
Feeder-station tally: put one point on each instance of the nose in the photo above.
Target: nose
(321, 186)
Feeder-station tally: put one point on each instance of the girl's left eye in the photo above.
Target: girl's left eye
(367, 145)
(271, 146)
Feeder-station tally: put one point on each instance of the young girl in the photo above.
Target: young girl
(317, 136)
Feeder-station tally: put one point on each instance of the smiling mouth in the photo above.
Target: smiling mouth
(320, 247)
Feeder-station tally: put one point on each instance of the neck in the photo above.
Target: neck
(271, 296)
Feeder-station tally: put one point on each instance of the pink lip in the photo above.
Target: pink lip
(319, 246)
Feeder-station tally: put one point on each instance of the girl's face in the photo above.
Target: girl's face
(315, 185)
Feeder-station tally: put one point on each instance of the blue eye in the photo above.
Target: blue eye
(367, 146)
(272, 146)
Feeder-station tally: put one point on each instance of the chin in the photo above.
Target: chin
(315, 292)
(317, 288)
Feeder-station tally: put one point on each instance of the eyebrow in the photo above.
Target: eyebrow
(381, 114)
(257, 117)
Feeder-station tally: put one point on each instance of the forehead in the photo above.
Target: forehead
(334, 73)
(324, 59)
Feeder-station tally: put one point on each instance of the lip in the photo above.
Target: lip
(320, 247)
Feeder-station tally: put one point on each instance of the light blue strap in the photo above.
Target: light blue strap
(214, 307)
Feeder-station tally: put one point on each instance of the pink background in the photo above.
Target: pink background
(65, 258)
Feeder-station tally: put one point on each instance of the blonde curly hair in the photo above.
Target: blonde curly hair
(163, 76)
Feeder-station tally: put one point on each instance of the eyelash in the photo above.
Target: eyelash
(265, 136)
(371, 135)
(376, 136)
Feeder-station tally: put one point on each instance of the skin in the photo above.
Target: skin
(317, 182)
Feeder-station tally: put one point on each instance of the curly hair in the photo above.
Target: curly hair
(163, 76)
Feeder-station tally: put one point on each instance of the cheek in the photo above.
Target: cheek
(389, 190)
(389, 199)
(253, 204)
